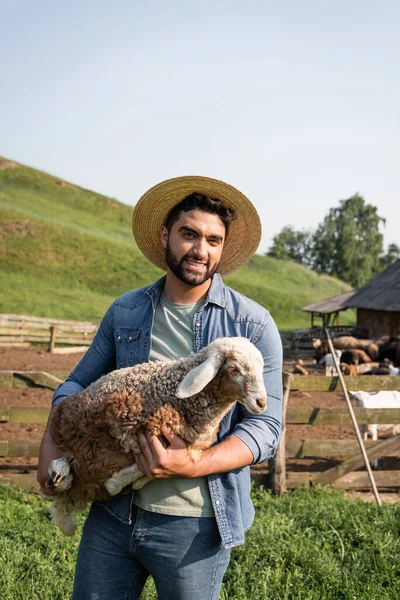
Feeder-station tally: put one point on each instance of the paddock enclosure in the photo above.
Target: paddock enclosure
(61, 336)
(318, 444)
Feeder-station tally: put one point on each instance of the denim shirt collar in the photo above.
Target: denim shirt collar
(215, 293)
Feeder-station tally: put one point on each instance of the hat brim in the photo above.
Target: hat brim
(152, 209)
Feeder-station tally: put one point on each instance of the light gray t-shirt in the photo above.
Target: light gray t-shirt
(172, 338)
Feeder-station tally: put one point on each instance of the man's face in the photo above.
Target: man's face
(193, 247)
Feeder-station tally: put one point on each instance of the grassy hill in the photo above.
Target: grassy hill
(68, 252)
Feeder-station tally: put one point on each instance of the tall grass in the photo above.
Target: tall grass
(307, 545)
(67, 252)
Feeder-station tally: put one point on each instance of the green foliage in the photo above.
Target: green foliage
(391, 256)
(292, 245)
(68, 253)
(306, 545)
(347, 244)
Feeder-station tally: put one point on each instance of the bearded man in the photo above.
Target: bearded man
(181, 526)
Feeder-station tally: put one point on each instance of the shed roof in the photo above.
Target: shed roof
(330, 305)
(380, 293)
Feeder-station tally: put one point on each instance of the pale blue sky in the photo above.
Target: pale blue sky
(295, 103)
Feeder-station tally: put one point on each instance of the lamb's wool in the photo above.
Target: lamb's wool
(97, 429)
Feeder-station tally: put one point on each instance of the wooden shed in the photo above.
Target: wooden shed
(328, 310)
(378, 303)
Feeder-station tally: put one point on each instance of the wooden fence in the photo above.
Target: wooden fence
(343, 475)
(22, 330)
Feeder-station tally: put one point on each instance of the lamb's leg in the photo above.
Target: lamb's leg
(60, 477)
(374, 430)
(126, 476)
(61, 515)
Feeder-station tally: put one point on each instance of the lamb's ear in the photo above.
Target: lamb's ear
(197, 378)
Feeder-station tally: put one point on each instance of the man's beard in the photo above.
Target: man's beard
(183, 274)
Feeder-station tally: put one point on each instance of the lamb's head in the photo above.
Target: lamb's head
(241, 367)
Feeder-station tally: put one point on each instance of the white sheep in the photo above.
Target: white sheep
(327, 360)
(97, 429)
(383, 399)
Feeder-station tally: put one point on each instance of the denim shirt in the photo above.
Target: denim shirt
(124, 339)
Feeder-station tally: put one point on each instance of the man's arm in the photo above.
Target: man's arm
(48, 452)
(158, 462)
(98, 360)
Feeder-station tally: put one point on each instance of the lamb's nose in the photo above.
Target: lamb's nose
(261, 402)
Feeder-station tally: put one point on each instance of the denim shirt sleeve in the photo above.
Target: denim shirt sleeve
(261, 432)
(98, 360)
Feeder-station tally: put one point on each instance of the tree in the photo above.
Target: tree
(292, 245)
(348, 243)
(390, 257)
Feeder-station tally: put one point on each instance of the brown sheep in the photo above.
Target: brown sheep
(97, 429)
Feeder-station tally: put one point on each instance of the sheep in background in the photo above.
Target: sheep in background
(384, 399)
(327, 360)
(97, 429)
(350, 370)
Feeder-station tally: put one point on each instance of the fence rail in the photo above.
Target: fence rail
(344, 475)
(23, 330)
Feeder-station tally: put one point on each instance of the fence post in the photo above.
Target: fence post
(53, 333)
(279, 462)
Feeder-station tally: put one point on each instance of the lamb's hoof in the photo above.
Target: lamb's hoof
(60, 477)
(113, 486)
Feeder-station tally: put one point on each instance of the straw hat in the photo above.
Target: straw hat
(152, 209)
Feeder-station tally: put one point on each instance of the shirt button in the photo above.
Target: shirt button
(217, 502)
(130, 339)
(119, 338)
(197, 324)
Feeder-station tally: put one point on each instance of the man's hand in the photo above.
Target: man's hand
(158, 462)
(48, 452)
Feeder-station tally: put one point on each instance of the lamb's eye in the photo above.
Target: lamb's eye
(234, 370)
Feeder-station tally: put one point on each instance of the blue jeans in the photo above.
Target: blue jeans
(184, 555)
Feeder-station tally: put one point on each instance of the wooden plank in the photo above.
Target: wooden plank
(14, 344)
(35, 379)
(18, 326)
(9, 339)
(43, 320)
(22, 331)
(16, 414)
(278, 465)
(25, 482)
(4, 414)
(22, 379)
(350, 481)
(357, 461)
(70, 350)
(309, 415)
(53, 335)
(328, 449)
(13, 448)
(320, 383)
(6, 379)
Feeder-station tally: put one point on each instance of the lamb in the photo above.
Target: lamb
(327, 360)
(97, 429)
(384, 399)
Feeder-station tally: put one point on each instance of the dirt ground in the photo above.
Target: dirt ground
(37, 359)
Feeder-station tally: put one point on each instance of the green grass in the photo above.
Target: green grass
(307, 545)
(66, 252)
